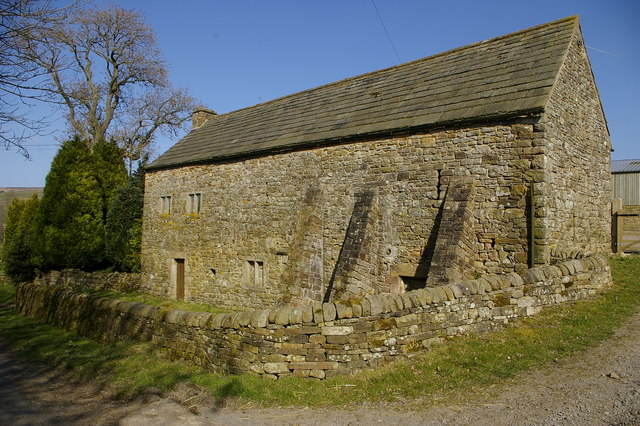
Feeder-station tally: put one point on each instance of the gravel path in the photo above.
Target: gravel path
(601, 386)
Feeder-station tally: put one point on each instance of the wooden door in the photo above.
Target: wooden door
(180, 279)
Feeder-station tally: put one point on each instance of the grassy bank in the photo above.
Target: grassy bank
(149, 299)
(451, 369)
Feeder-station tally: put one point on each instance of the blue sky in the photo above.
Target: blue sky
(234, 54)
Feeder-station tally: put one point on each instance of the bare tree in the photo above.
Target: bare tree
(18, 19)
(163, 109)
(103, 67)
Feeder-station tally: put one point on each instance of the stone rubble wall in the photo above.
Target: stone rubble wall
(357, 263)
(453, 255)
(322, 339)
(573, 195)
(303, 268)
(74, 279)
(292, 211)
(631, 223)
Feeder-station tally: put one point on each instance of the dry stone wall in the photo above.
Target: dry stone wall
(632, 221)
(322, 339)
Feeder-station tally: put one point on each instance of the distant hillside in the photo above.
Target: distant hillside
(6, 197)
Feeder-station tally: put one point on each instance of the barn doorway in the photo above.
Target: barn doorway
(179, 268)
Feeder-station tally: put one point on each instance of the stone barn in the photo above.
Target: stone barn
(485, 159)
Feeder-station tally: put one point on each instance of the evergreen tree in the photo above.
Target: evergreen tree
(74, 205)
(124, 224)
(20, 239)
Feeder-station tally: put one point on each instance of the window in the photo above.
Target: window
(165, 204)
(195, 201)
(254, 273)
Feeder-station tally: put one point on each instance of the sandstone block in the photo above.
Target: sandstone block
(375, 304)
(318, 314)
(216, 322)
(276, 367)
(259, 319)
(526, 301)
(407, 301)
(282, 316)
(407, 320)
(343, 310)
(317, 338)
(307, 313)
(336, 330)
(340, 340)
(318, 374)
(396, 303)
(316, 365)
(329, 311)
(290, 348)
(244, 318)
(455, 289)
(357, 309)
(366, 307)
(295, 317)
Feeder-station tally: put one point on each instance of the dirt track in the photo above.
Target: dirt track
(601, 386)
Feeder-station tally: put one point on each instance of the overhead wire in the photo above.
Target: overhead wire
(386, 31)
(612, 54)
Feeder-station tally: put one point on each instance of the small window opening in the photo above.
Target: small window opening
(255, 273)
(439, 184)
(165, 204)
(195, 201)
(283, 258)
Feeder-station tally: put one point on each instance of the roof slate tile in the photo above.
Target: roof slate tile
(506, 76)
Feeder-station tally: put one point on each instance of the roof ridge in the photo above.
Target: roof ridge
(574, 18)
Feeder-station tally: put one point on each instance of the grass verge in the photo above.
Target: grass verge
(149, 299)
(455, 368)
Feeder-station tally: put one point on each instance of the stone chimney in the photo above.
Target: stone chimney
(199, 116)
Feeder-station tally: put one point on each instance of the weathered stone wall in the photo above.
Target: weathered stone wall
(322, 339)
(74, 279)
(631, 223)
(261, 209)
(454, 254)
(573, 196)
(357, 263)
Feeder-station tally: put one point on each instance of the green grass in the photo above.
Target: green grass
(160, 301)
(455, 369)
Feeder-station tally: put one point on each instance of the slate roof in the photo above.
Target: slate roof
(625, 166)
(506, 76)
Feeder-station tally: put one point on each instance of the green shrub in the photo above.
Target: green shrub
(124, 224)
(20, 242)
(75, 200)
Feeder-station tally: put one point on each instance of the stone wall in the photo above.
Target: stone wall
(453, 254)
(74, 279)
(573, 195)
(322, 339)
(632, 222)
(291, 211)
